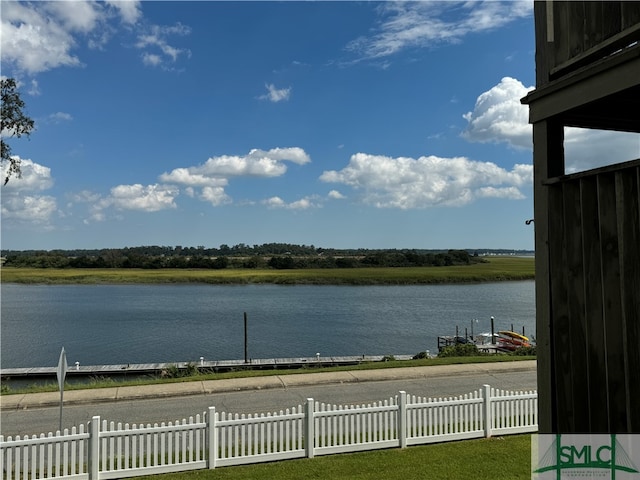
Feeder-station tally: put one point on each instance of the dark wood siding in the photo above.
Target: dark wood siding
(594, 290)
(576, 33)
(587, 225)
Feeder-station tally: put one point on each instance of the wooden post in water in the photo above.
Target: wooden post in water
(246, 357)
(493, 339)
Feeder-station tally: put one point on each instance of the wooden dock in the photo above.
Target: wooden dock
(137, 369)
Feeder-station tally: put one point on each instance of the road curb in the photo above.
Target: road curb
(207, 387)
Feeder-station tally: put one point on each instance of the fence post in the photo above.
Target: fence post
(488, 419)
(309, 433)
(94, 448)
(402, 419)
(212, 437)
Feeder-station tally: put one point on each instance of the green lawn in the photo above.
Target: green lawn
(498, 458)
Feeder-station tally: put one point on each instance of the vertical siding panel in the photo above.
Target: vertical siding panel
(560, 322)
(575, 27)
(612, 20)
(628, 206)
(574, 280)
(612, 303)
(548, 162)
(594, 316)
(593, 21)
(560, 32)
(630, 14)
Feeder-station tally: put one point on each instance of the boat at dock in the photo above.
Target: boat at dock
(500, 342)
(509, 340)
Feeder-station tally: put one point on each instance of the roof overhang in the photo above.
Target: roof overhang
(604, 95)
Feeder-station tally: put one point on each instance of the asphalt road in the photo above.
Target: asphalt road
(32, 418)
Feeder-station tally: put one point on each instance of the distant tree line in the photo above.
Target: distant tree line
(271, 255)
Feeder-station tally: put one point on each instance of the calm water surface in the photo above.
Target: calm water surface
(114, 324)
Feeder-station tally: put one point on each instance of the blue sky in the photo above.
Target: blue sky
(336, 124)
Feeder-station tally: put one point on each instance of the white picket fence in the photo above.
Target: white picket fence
(107, 450)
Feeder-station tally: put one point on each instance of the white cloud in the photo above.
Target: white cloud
(19, 202)
(302, 204)
(504, 192)
(274, 202)
(60, 117)
(34, 89)
(37, 209)
(80, 16)
(258, 163)
(189, 176)
(149, 198)
(129, 10)
(499, 117)
(40, 36)
(408, 183)
(425, 24)
(85, 196)
(35, 177)
(251, 165)
(292, 154)
(210, 178)
(586, 149)
(214, 174)
(31, 42)
(151, 59)
(155, 45)
(336, 195)
(276, 94)
(215, 196)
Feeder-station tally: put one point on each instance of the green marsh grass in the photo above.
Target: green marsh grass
(494, 269)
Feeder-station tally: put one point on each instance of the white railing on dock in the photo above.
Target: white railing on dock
(107, 450)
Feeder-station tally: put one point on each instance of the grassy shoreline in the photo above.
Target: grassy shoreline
(493, 270)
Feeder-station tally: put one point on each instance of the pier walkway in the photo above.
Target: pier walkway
(137, 369)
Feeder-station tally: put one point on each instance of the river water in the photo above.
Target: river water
(116, 324)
